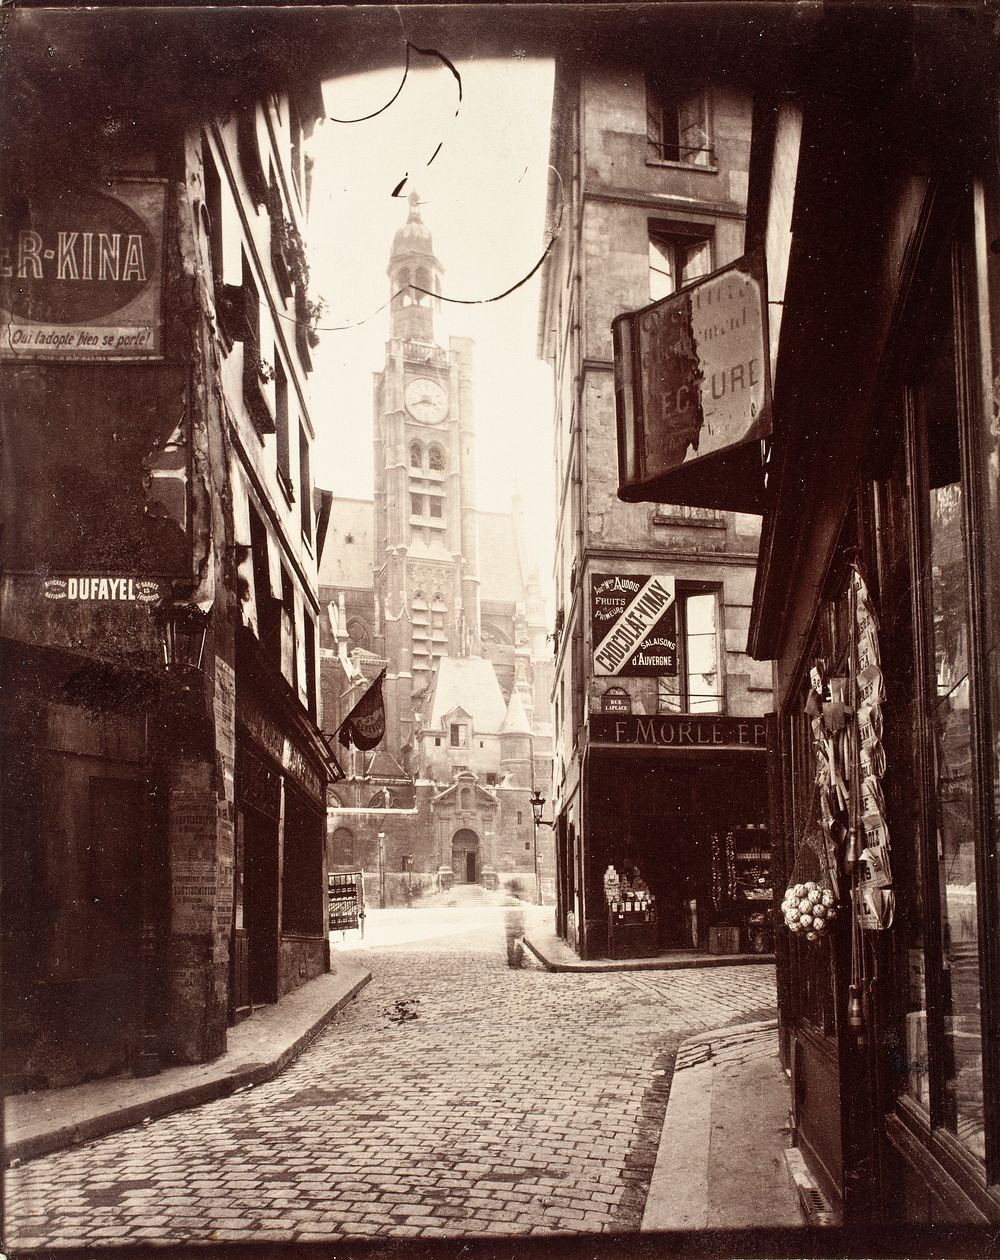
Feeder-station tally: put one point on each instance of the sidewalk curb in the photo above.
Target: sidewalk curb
(694, 1176)
(226, 1083)
(647, 964)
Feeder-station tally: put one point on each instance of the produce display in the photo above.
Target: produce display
(809, 909)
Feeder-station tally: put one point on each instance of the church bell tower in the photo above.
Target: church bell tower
(426, 543)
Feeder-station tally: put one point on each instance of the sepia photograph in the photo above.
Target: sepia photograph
(499, 621)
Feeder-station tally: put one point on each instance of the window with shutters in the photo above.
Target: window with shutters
(678, 123)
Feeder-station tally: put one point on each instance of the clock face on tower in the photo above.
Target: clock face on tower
(426, 400)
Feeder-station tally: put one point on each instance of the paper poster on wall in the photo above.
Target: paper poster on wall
(633, 625)
(81, 271)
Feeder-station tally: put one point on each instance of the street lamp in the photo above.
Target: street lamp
(183, 628)
(537, 805)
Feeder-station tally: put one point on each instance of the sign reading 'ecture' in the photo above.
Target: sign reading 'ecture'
(692, 392)
(81, 272)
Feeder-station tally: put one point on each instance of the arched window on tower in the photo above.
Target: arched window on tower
(342, 847)
(422, 281)
(416, 455)
(401, 288)
(435, 460)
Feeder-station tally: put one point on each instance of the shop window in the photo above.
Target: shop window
(940, 499)
(675, 259)
(678, 127)
(302, 865)
(697, 685)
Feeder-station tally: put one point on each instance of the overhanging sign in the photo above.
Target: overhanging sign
(708, 733)
(692, 393)
(81, 271)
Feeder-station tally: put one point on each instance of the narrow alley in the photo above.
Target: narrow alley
(465, 1091)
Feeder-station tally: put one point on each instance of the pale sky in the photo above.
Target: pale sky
(483, 198)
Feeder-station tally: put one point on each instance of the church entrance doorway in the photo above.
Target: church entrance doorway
(465, 856)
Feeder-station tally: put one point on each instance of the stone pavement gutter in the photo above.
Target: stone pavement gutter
(257, 1049)
(721, 1162)
(554, 954)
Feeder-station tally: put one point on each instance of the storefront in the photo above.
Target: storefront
(279, 936)
(878, 596)
(675, 810)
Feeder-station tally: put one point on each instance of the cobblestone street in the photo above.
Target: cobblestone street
(464, 1091)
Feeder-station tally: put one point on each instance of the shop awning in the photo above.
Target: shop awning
(692, 393)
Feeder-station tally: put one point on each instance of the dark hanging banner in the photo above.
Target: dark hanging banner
(364, 726)
(692, 393)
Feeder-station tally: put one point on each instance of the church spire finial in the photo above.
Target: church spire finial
(414, 215)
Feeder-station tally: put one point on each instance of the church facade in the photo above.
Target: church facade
(418, 582)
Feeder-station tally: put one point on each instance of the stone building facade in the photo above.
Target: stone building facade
(163, 775)
(651, 180)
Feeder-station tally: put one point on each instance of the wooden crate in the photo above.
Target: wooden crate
(723, 940)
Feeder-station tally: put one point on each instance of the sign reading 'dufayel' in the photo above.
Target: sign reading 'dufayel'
(691, 373)
(101, 589)
(633, 625)
(81, 272)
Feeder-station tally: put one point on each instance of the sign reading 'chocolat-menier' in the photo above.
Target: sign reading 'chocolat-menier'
(707, 733)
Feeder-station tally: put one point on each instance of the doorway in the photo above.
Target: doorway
(260, 893)
(465, 856)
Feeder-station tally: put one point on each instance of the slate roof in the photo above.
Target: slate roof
(516, 720)
(348, 565)
(469, 682)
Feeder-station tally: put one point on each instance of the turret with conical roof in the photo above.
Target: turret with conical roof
(516, 744)
(414, 279)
